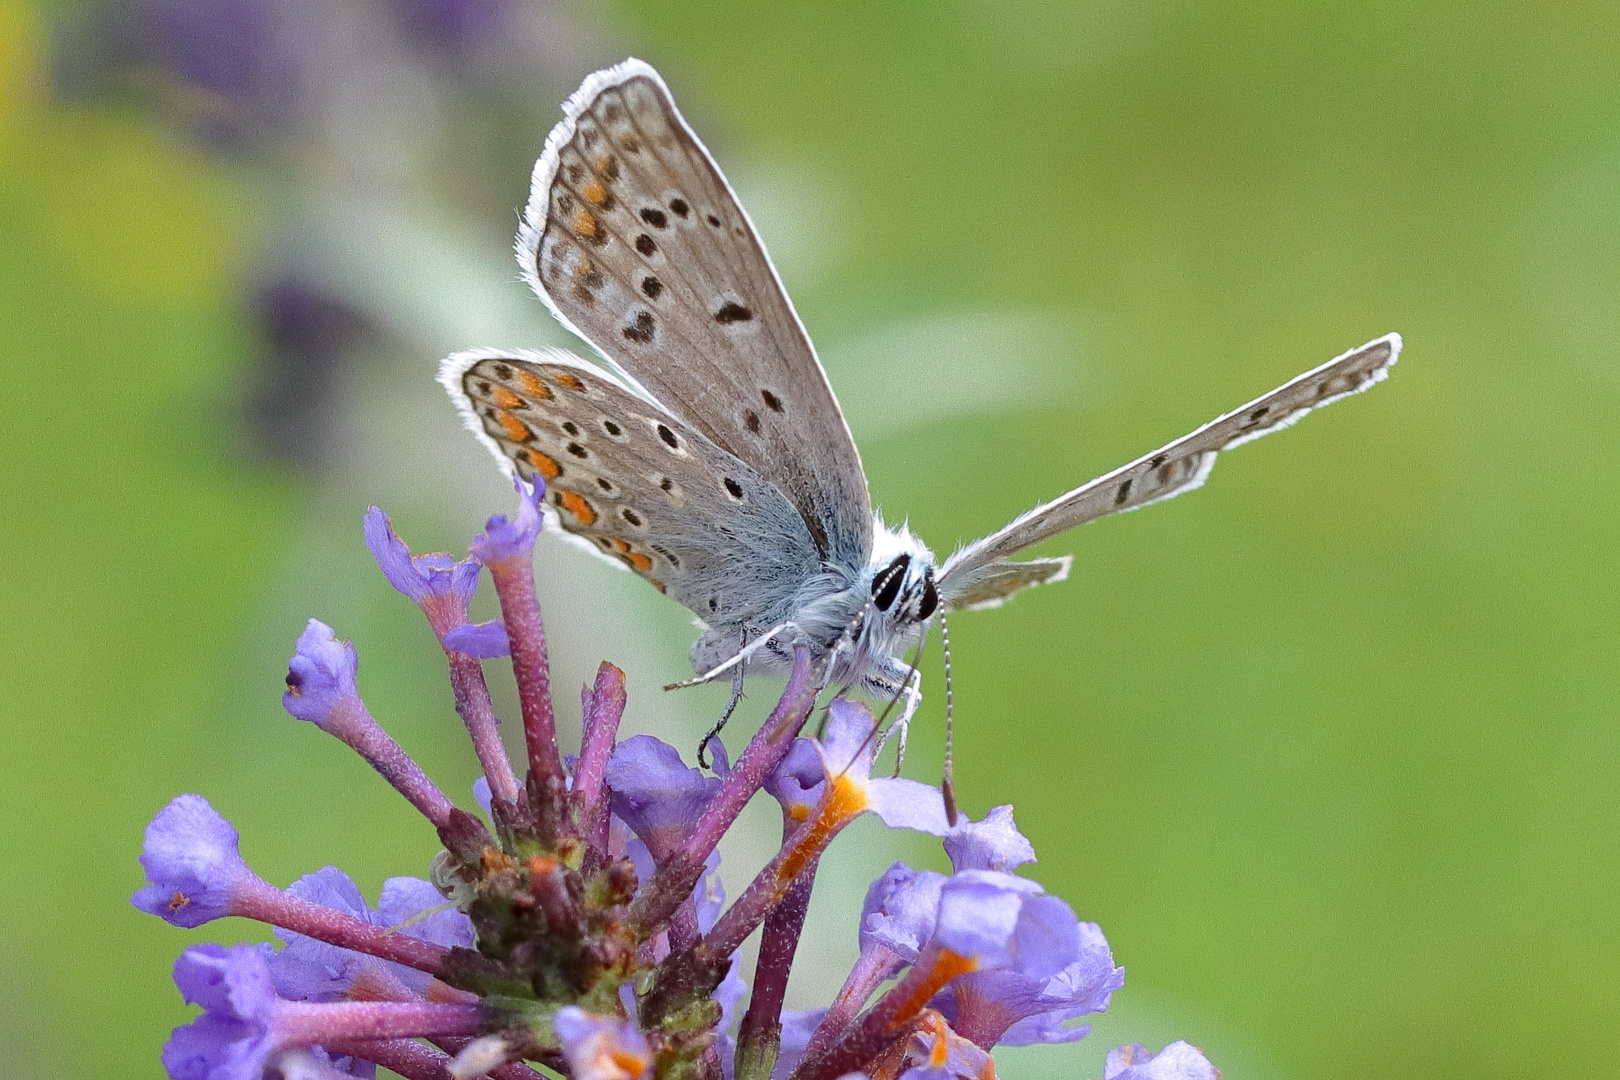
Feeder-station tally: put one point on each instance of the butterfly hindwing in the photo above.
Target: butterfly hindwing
(638, 485)
(1180, 466)
(634, 239)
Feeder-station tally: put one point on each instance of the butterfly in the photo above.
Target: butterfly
(709, 454)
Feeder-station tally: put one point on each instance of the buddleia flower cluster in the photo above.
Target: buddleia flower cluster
(577, 928)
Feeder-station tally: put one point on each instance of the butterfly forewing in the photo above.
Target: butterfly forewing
(640, 486)
(1180, 466)
(635, 240)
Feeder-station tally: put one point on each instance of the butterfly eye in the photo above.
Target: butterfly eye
(886, 585)
(930, 599)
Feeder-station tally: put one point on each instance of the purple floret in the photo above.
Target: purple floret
(992, 844)
(434, 576)
(655, 793)
(504, 538)
(1178, 1061)
(320, 674)
(192, 863)
(485, 640)
(901, 909)
(234, 1038)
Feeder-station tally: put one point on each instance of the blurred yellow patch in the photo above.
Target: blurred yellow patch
(132, 211)
(21, 49)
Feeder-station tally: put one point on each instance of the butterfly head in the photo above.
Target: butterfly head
(901, 585)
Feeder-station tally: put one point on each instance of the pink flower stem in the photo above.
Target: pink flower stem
(352, 723)
(875, 964)
(306, 1023)
(760, 1036)
(520, 610)
(602, 708)
(886, 1020)
(478, 713)
(676, 876)
(255, 898)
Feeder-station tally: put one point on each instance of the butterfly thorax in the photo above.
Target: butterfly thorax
(863, 619)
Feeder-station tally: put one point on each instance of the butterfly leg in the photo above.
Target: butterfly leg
(731, 707)
(739, 657)
(911, 690)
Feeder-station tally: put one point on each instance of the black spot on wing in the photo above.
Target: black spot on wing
(732, 312)
(640, 329)
(651, 286)
(654, 217)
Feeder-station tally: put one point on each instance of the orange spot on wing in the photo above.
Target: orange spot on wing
(577, 506)
(543, 464)
(585, 223)
(573, 382)
(532, 385)
(594, 192)
(506, 399)
(638, 562)
(659, 585)
(622, 545)
(514, 427)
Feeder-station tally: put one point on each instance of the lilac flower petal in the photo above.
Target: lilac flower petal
(311, 970)
(233, 1039)
(1178, 1061)
(420, 577)
(504, 539)
(901, 909)
(482, 796)
(908, 804)
(320, 673)
(655, 793)
(404, 899)
(798, 780)
(1003, 921)
(192, 863)
(848, 746)
(992, 844)
(730, 994)
(485, 640)
(602, 1048)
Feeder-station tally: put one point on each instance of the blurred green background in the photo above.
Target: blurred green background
(1328, 748)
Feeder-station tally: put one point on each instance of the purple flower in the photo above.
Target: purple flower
(797, 781)
(192, 864)
(504, 539)
(935, 1052)
(436, 582)
(901, 909)
(1178, 1061)
(485, 640)
(1036, 967)
(602, 1048)
(311, 970)
(234, 1038)
(998, 920)
(320, 674)
(847, 754)
(403, 904)
(655, 793)
(992, 844)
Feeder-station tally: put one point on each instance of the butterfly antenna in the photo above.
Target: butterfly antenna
(947, 785)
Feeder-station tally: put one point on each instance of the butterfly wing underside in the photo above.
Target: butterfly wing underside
(636, 484)
(1169, 471)
(634, 239)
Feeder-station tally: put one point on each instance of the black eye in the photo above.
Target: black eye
(930, 599)
(886, 584)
